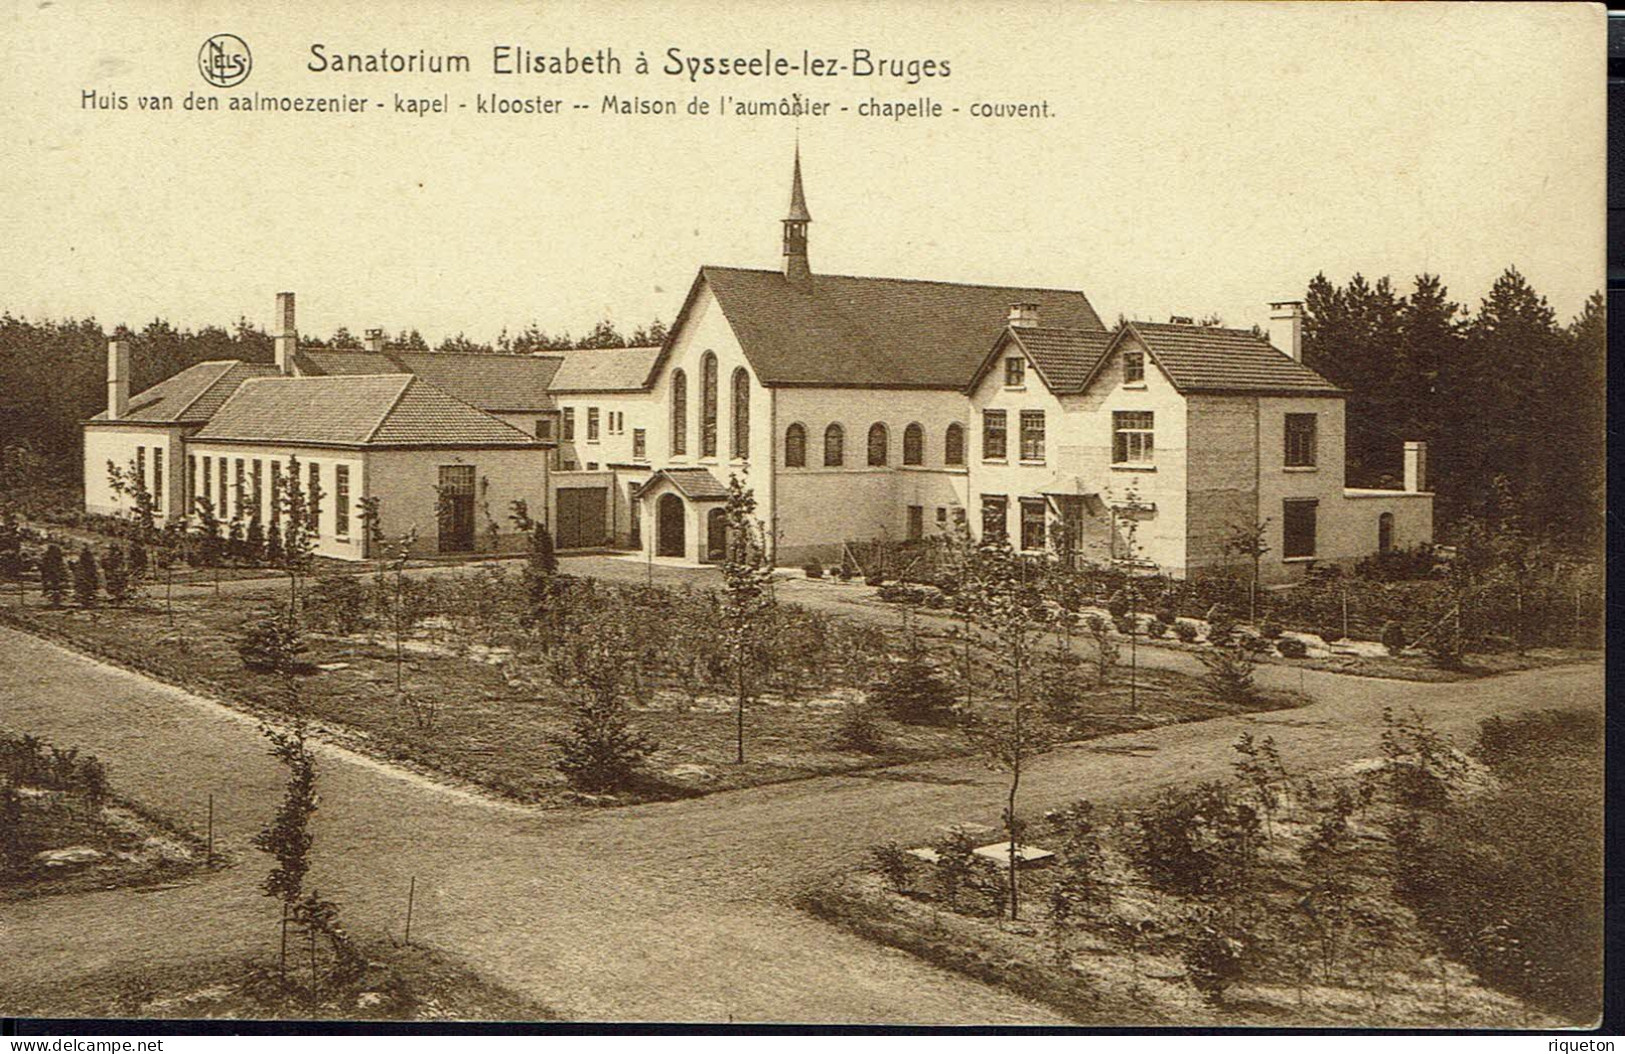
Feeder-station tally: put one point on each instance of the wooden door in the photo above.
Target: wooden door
(456, 508)
(669, 529)
(581, 517)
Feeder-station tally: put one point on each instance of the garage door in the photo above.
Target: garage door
(583, 521)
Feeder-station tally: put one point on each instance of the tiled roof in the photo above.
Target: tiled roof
(512, 383)
(695, 484)
(495, 383)
(193, 394)
(1210, 359)
(1066, 357)
(603, 369)
(330, 363)
(355, 410)
(839, 331)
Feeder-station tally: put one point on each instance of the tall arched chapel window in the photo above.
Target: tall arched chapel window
(739, 404)
(914, 445)
(834, 446)
(708, 405)
(878, 444)
(953, 445)
(679, 412)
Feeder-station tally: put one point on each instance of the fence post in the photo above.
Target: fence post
(411, 895)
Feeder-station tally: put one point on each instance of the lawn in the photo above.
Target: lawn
(1354, 898)
(398, 984)
(481, 702)
(62, 830)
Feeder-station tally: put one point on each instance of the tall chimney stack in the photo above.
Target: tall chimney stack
(1416, 467)
(118, 379)
(1286, 327)
(375, 340)
(287, 334)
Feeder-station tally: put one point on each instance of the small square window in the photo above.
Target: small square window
(1134, 367)
(1015, 371)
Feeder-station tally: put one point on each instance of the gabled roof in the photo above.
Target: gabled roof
(355, 411)
(1211, 359)
(1064, 358)
(836, 331)
(603, 369)
(192, 395)
(494, 383)
(695, 484)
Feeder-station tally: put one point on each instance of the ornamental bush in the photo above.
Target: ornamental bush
(1393, 637)
(1291, 648)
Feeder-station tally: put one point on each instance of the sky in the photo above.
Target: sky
(1199, 158)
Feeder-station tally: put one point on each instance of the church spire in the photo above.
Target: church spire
(796, 268)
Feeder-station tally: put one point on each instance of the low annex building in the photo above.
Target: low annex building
(855, 408)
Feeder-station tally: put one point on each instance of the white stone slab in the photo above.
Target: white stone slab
(1026, 855)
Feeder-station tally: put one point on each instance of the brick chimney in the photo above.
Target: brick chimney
(375, 340)
(118, 379)
(1023, 316)
(1416, 467)
(1286, 327)
(286, 334)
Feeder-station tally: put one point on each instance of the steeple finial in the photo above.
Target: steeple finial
(796, 268)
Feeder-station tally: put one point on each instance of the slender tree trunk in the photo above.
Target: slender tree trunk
(739, 716)
(1010, 824)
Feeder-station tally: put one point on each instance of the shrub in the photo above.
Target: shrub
(1186, 632)
(139, 560)
(87, 578)
(1229, 674)
(844, 573)
(1271, 630)
(602, 751)
(1221, 626)
(1126, 626)
(1291, 648)
(873, 580)
(859, 730)
(254, 540)
(1106, 648)
(1213, 958)
(1331, 633)
(895, 865)
(1117, 605)
(1157, 628)
(813, 570)
(955, 866)
(53, 573)
(1197, 842)
(271, 643)
(338, 603)
(839, 572)
(913, 691)
(1393, 637)
(117, 575)
(274, 552)
(1167, 615)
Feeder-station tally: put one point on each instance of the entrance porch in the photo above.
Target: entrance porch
(680, 513)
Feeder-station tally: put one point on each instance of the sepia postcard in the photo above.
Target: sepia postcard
(837, 514)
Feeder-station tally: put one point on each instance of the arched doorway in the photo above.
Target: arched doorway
(1385, 532)
(716, 536)
(669, 526)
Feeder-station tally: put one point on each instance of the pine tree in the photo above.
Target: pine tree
(87, 578)
(1587, 463)
(117, 575)
(53, 575)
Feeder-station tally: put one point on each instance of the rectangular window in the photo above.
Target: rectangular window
(1300, 440)
(1032, 435)
(238, 504)
(993, 435)
(276, 492)
(258, 489)
(592, 424)
(208, 488)
(569, 424)
(158, 479)
(569, 465)
(191, 482)
(640, 444)
(1015, 371)
(1298, 527)
(916, 522)
(341, 501)
(220, 484)
(544, 428)
(1131, 437)
(995, 512)
(942, 516)
(1134, 367)
(313, 498)
(1033, 515)
(141, 465)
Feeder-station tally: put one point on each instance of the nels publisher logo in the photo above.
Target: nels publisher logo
(224, 60)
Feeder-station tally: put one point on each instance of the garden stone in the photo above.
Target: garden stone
(926, 853)
(73, 856)
(1026, 855)
(694, 772)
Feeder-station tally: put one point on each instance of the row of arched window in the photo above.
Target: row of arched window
(739, 409)
(879, 445)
